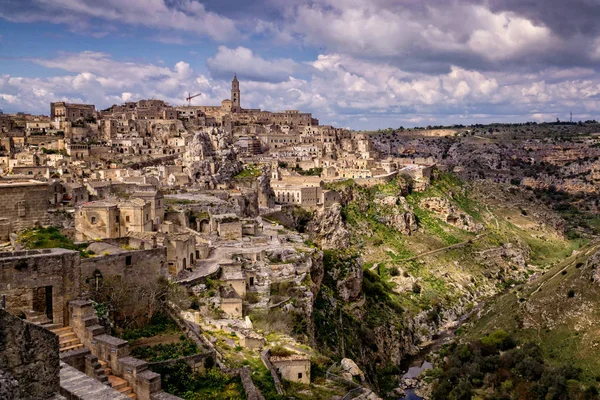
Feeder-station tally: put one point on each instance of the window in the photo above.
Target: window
(299, 375)
(93, 220)
(127, 260)
(117, 219)
(127, 218)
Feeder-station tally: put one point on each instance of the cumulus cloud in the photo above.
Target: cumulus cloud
(182, 15)
(249, 66)
(335, 87)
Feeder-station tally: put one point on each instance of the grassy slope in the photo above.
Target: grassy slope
(388, 248)
(566, 328)
(445, 279)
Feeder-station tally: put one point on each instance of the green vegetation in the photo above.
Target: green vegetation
(48, 238)
(159, 324)
(555, 312)
(52, 151)
(309, 172)
(180, 380)
(498, 367)
(280, 351)
(250, 171)
(161, 352)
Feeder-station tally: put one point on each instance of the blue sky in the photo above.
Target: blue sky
(363, 64)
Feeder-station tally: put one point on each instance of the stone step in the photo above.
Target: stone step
(58, 331)
(74, 347)
(108, 371)
(66, 336)
(125, 390)
(95, 330)
(116, 382)
(132, 395)
(89, 321)
(103, 363)
(69, 343)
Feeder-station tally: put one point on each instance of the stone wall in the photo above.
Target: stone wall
(23, 273)
(137, 265)
(29, 354)
(24, 204)
(230, 230)
(197, 362)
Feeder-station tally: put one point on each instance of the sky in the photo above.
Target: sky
(361, 64)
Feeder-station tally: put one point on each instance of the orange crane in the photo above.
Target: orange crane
(190, 97)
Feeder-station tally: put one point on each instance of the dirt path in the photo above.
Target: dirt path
(453, 246)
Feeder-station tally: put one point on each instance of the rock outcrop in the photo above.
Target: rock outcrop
(328, 229)
(450, 214)
(397, 214)
(350, 370)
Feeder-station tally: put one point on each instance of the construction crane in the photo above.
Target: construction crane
(190, 97)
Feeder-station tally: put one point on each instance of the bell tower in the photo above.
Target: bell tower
(235, 94)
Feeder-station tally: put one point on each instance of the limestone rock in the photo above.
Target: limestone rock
(327, 228)
(348, 275)
(450, 214)
(266, 195)
(351, 368)
(396, 213)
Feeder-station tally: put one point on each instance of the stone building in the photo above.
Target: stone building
(39, 282)
(107, 219)
(231, 302)
(135, 216)
(61, 111)
(295, 368)
(181, 252)
(98, 220)
(23, 203)
(157, 204)
(227, 226)
(299, 195)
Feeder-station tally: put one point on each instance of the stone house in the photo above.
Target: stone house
(157, 203)
(104, 219)
(135, 216)
(98, 220)
(232, 275)
(39, 281)
(227, 226)
(181, 252)
(250, 340)
(231, 302)
(294, 368)
(297, 194)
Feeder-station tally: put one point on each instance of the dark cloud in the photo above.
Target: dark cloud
(566, 18)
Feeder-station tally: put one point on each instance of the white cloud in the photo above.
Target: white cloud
(248, 65)
(334, 87)
(182, 15)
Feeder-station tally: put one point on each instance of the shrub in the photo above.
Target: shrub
(416, 288)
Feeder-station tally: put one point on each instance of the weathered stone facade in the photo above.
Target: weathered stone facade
(53, 272)
(24, 203)
(132, 266)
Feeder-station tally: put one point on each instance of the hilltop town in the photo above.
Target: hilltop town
(260, 252)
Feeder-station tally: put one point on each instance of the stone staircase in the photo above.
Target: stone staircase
(67, 340)
(119, 384)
